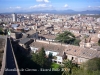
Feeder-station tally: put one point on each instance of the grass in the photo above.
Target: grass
(55, 66)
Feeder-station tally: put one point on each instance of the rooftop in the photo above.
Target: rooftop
(69, 49)
(82, 52)
(49, 47)
(24, 40)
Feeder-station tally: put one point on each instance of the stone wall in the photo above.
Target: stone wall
(4, 55)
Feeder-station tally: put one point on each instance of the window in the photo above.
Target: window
(72, 58)
(81, 60)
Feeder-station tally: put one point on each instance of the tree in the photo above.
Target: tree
(69, 66)
(35, 57)
(93, 64)
(40, 58)
(76, 42)
(91, 67)
(65, 37)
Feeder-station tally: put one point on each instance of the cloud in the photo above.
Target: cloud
(38, 6)
(50, 6)
(17, 7)
(65, 5)
(41, 6)
(94, 7)
(98, 6)
(39, 0)
(46, 1)
(14, 9)
(89, 6)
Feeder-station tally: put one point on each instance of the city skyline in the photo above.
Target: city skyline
(37, 5)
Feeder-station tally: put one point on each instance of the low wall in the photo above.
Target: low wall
(53, 43)
(4, 56)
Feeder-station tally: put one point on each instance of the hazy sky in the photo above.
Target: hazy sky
(30, 5)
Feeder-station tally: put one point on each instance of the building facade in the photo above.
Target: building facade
(14, 17)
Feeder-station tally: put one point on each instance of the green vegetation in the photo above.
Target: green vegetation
(69, 66)
(1, 30)
(93, 64)
(91, 67)
(40, 58)
(36, 62)
(55, 65)
(67, 37)
(84, 72)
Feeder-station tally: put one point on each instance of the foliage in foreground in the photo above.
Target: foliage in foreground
(85, 72)
(91, 67)
(55, 66)
(92, 64)
(40, 58)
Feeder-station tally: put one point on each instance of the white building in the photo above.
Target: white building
(52, 52)
(14, 17)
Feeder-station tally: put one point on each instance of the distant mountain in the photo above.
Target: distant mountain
(55, 11)
(69, 11)
(81, 12)
(90, 12)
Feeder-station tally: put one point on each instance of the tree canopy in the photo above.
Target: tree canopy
(93, 64)
(69, 65)
(91, 67)
(67, 37)
(40, 58)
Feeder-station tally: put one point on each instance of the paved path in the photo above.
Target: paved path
(10, 63)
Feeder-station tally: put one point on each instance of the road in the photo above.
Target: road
(10, 63)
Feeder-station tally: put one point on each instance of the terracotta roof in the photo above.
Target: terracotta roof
(69, 49)
(20, 27)
(51, 47)
(82, 52)
(31, 32)
(89, 53)
(73, 50)
(48, 36)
